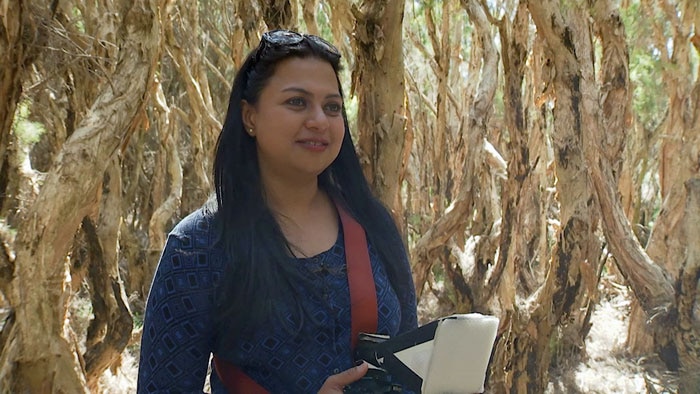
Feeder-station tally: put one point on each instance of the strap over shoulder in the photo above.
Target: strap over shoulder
(363, 302)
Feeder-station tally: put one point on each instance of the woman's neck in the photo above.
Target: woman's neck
(291, 198)
(306, 215)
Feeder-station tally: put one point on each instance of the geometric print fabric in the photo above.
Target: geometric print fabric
(178, 329)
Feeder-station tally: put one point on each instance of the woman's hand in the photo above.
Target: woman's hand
(336, 383)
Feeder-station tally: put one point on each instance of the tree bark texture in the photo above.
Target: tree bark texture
(565, 35)
(511, 188)
(687, 335)
(41, 355)
(650, 282)
(521, 225)
(21, 38)
(677, 162)
(15, 50)
(279, 14)
(378, 82)
(476, 172)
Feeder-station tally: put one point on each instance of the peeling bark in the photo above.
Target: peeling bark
(342, 25)
(687, 337)
(378, 80)
(279, 14)
(566, 43)
(21, 36)
(184, 49)
(167, 208)
(522, 207)
(476, 172)
(110, 330)
(43, 356)
(309, 8)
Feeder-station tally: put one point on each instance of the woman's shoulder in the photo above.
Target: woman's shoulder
(191, 246)
(197, 230)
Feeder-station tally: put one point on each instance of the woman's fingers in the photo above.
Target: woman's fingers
(335, 383)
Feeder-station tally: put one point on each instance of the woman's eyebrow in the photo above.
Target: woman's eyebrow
(308, 93)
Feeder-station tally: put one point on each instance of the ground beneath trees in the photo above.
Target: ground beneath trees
(607, 368)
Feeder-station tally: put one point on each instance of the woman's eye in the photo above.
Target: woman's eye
(334, 108)
(296, 102)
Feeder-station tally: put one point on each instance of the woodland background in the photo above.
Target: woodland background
(528, 150)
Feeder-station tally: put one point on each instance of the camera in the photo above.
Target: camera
(376, 380)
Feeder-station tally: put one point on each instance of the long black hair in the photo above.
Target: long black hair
(258, 272)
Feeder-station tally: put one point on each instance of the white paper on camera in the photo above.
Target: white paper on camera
(455, 361)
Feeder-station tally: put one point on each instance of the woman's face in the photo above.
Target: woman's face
(297, 122)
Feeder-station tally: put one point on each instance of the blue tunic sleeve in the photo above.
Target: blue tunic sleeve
(177, 333)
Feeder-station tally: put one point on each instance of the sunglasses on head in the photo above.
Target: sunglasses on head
(280, 38)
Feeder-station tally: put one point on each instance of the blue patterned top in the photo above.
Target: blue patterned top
(178, 332)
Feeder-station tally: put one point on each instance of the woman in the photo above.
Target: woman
(258, 278)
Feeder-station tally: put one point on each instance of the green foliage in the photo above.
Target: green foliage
(646, 64)
(648, 104)
(138, 319)
(78, 19)
(28, 132)
(323, 22)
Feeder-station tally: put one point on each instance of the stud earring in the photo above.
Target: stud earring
(250, 131)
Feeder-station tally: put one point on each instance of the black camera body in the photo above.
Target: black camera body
(377, 380)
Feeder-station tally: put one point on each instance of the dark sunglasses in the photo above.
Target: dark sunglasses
(279, 38)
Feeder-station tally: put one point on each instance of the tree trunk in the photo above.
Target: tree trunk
(110, 329)
(439, 152)
(341, 21)
(184, 48)
(169, 162)
(476, 174)
(21, 36)
(678, 164)
(41, 355)
(378, 79)
(534, 333)
(676, 161)
(613, 111)
(688, 297)
(650, 283)
(522, 205)
(244, 30)
(279, 14)
(521, 199)
(309, 8)
(15, 39)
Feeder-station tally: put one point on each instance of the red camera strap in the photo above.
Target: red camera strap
(363, 303)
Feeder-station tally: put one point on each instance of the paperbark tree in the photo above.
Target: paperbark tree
(651, 283)
(507, 179)
(378, 82)
(679, 154)
(523, 228)
(38, 352)
(472, 208)
(21, 37)
(520, 201)
(532, 326)
(309, 8)
(341, 25)
(16, 50)
(279, 14)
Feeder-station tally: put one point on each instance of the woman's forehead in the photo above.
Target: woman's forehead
(311, 74)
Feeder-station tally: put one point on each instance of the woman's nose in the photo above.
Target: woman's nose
(317, 119)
